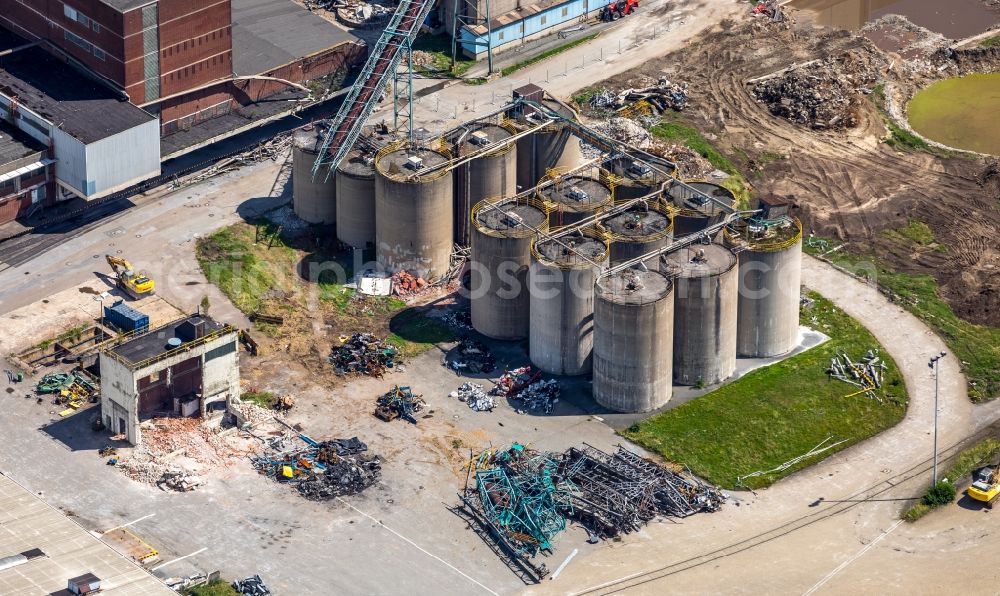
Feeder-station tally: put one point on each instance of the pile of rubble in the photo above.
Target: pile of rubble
(250, 413)
(625, 130)
(406, 284)
(523, 498)
(321, 470)
(472, 395)
(471, 356)
(175, 451)
(399, 402)
(822, 94)
(364, 354)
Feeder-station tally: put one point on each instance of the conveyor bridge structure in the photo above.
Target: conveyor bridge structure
(395, 42)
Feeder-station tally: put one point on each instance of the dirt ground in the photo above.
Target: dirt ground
(846, 184)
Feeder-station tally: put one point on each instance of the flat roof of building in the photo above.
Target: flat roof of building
(79, 105)
(15, 145)
(70, 551)
(271, 33)
(124, 5)
(154, 343)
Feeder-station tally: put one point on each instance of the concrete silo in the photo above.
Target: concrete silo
(633, 341)
(640, 230)
(490, 175)
(574, 197)
(501, 256)
(413, 209)
(633, 179)
(695, 212)
(552, 146)
(356, 199)
(561, 281)
(313, 199)
(770, 279)
(705, 304)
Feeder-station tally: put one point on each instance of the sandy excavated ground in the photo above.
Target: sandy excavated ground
(846, 184)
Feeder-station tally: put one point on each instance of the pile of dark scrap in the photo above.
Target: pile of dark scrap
(619, 492)
(398, 402)
(472, 394)
(471, 356)
(663, 96)
(539, 397)
(321, 470)
(364, 354)
(523, 498)
(251, 586)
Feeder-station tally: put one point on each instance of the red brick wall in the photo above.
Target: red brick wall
(249, 91)
(46, 19)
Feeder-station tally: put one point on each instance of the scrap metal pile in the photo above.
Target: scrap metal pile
(866, 374)
(525, 497)
(251, 586)
(398, 402)
(364, 354)
(535, 395)
(539, 397)
(512, 382)
(321, 470)
(664, 95)
(472, 394)
(471, 356)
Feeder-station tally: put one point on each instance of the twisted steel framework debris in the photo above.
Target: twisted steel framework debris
(523, 498)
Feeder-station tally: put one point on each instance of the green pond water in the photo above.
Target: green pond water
(963, 112)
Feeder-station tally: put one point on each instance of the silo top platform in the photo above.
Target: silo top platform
(308, 138)
(404, 163)
(631, 169)
(577, 194)
(503, 220)
(700, 260)
(571, 251)
(773, 237)
(488, 135)
(355, 164)
(638, 223)
(634, 287)
(684, 199)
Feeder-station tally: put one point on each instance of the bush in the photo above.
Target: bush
(940, 494)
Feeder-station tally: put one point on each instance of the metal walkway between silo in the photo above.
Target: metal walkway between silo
(381, 64)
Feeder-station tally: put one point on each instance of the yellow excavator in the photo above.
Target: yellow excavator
(985, 485)
(136, 285)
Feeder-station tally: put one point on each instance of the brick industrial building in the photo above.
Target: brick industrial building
(170, 64)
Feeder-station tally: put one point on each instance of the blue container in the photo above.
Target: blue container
(126, 318)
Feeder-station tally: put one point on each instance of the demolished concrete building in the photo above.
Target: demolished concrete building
(189, 367)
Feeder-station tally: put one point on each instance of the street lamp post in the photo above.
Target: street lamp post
(933, 363)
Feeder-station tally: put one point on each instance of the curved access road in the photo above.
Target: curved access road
(784, 539)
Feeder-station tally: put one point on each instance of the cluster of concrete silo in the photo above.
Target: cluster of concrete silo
(412, 202)
(513, 189)
(680, 319)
